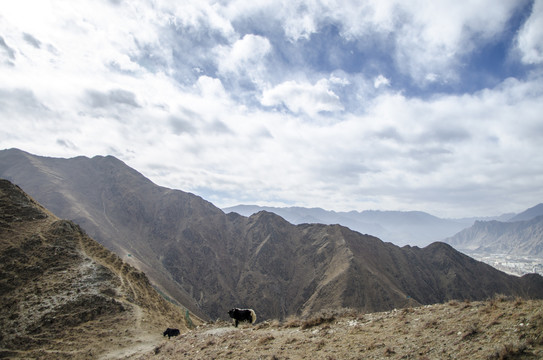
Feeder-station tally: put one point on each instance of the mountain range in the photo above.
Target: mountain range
(210, 261)
(398, 227)
(515, 234)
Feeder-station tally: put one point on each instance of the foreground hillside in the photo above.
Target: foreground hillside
(210, 261)
(65, 296)
(495, 329)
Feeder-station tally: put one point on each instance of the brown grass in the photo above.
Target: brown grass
(472, 330)
(505, 329)
(319, 319)
(265, 339)
(292, 321)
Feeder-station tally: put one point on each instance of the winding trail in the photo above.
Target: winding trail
(141, 335)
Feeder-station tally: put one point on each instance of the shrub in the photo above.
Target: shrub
(265, 339)
(292, 321)
(319, 319)
(509, 351)
(471, 332)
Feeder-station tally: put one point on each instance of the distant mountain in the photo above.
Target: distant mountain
(495, 237)
(210, 261)
(301, 215)
(398, 227)
(63, 295)
(529, 214)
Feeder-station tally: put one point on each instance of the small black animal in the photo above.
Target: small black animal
(171, 332)
(242, 315)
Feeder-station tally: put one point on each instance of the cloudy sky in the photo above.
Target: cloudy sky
(344, 105)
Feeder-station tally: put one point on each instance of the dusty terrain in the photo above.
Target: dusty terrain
(497, 329)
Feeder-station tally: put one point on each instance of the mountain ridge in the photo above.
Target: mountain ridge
(95, 183)
(528, 214)
(210, 261)
(415, 228)
(524, 237)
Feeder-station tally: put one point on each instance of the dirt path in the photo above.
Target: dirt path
(143, 337)
(144, 342)
(140, 335)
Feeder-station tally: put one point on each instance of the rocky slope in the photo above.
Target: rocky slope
(210, 261)
(115, 205)
(63, 295)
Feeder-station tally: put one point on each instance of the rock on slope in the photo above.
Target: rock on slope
(63, 295)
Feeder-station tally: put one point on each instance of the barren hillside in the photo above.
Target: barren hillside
(494, 329)
(63, 295)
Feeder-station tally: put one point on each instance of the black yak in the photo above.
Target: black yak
(242, 315)
(171, 332)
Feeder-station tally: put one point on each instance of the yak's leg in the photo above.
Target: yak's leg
(236, 322)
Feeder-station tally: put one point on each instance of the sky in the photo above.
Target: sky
(345, 105)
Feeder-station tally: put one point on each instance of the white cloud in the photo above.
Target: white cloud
(433, 37)
(380, 81)
(429, 39)
(530, 37)
(211, 88)
(297, 28)
(94, 78)
(197, 14)
(245, 56)
(303, 97)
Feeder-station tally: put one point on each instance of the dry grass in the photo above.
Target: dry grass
(496, 329)
(292, 322)
(323, 317)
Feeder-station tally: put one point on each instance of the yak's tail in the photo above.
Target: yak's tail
(253, 316)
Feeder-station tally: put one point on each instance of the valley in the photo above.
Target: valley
(512, 264)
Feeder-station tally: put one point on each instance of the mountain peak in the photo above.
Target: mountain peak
(528, 214)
